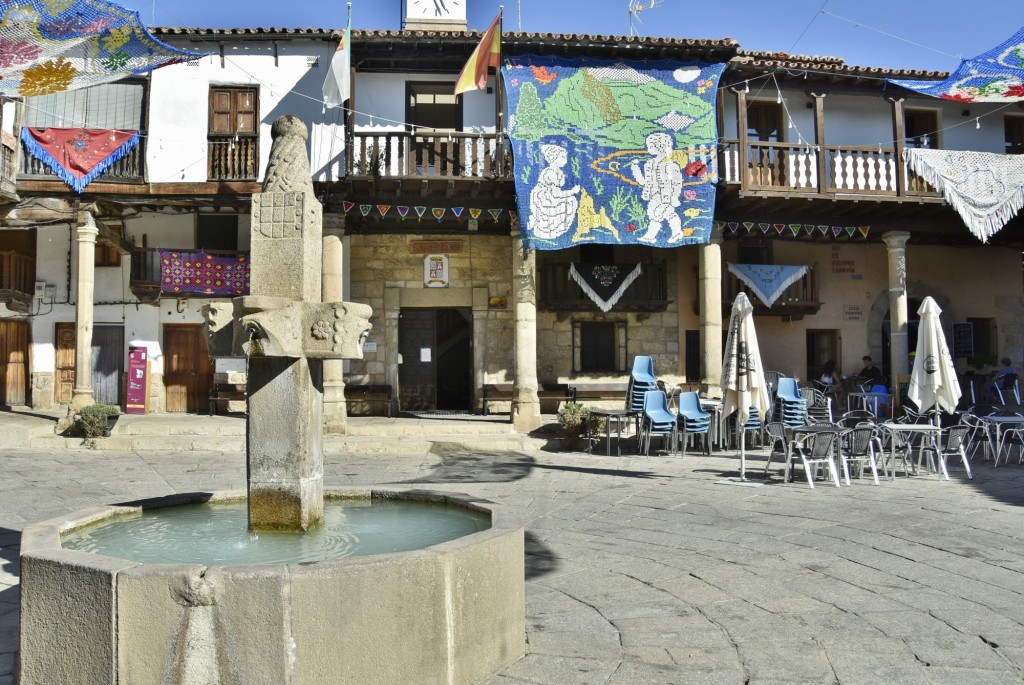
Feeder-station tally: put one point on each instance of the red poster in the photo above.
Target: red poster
(138, 380)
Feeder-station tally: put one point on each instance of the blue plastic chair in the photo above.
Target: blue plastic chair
(692, 420)
(643, 371)
(656, 419)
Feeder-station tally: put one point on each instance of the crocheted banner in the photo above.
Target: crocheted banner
(986, 189)
(78, 155)
(198, 272)
(48, 46)
(993, 76)
(612, 152)
(605, 284)
(768, 281)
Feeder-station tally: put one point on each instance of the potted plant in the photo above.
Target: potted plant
(574, 418)
(96, 420)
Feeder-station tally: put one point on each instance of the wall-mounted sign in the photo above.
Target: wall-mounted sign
(963, 339)
(435, 246)
(853, 312)
(435, 271)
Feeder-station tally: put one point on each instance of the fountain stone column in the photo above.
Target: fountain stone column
(286, 332)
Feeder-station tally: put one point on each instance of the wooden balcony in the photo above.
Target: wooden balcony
(401, 154)
(145, 273)
(791, 169)
(796, 302)
(232, 158)
(558, 293)
(17, 280)
(129, 169)
(8, 168)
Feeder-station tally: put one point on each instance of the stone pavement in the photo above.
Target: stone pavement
(645, 570)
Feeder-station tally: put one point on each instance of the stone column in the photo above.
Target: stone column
(335, 409)
(81, 394)
(710, 278)
(285, 442)
(480, 329)
(899, 360)
(392, 319)
(526, 406)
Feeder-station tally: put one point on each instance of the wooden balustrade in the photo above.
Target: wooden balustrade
(442, 155)
(131, 167)
(231, 158)
(557, 292)
(793, 168)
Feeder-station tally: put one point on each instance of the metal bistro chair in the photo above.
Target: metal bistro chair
(815, 450)
(952, 446)
(853, 418)
(776, 432)
(859, 446)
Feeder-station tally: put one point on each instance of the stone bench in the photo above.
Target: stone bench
(371, 394)
(505, 392)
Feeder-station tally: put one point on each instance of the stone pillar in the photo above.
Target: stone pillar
(335, 409)
(899, 360)
(480, 311)
(710, 278)
(81, 394)
(285, 444)
(526, 406)
(392, 314)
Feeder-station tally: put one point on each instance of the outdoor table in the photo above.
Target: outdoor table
(609, 415)
(996, 424)
(714, 407)
(911, 430)
(869, 400)
(813, 428)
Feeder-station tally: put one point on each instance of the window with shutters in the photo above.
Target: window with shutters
(233, 135)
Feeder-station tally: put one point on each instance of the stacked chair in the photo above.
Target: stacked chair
(790, 407)
(656, 419)
(692, 419)
(641, 380)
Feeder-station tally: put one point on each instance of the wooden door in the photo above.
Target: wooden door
(13, 362)
(188, 370)
(416, 385)
(107, 363)
(65, 363)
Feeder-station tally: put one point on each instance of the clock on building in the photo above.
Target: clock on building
(437, 9)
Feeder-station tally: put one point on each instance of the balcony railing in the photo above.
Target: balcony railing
(444, 155)
(17, 280)
(130, 168)
(797, 301)
(8, 165)
(794, 168)
(557, 292)
(232, 158)
(146, 269)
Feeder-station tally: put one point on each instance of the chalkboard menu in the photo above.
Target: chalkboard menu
(963, 340)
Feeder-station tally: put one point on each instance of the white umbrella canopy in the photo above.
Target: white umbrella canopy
(933, 382)
(743, 382)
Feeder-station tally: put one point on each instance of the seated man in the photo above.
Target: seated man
(869, 375)
(1003, 379)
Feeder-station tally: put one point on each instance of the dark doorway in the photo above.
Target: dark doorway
(107, 363)
(437, 359)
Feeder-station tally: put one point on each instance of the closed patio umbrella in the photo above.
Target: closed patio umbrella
(743, 382)
(933, 382)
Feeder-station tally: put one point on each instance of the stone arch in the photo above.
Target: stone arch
(915, 290)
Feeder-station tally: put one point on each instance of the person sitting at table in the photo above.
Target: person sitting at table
(829, 382)
(1003, 379)
(870, 375)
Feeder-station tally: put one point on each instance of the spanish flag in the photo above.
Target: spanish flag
(487, 54)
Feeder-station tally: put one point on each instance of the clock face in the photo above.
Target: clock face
(436, 9)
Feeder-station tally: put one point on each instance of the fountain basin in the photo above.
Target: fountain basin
(449, 613)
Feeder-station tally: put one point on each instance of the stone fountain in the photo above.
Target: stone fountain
(447, 613)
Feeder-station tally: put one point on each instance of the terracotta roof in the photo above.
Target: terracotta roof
(827, 65)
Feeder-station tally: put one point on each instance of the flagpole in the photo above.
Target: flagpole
(499, 98)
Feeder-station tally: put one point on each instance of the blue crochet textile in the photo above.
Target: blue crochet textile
(621, 152)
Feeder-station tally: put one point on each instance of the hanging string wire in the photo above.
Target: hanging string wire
(858, 24)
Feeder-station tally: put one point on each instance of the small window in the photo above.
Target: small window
(106, 255)
(233, 134)
(597, 254)
(921, 128)
(754, 252)
(692, 358)
(432, 105)
(599, 346)
(217, 232)
(985, 351)
(1014, 126)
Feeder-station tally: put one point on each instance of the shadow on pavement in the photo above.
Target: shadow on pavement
(540, 559)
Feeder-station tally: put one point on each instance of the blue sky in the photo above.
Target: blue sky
(878, 33)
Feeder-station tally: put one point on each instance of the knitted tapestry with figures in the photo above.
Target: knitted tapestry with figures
(615, 152)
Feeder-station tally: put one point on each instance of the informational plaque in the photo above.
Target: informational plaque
(963, 339)
(137, 401)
